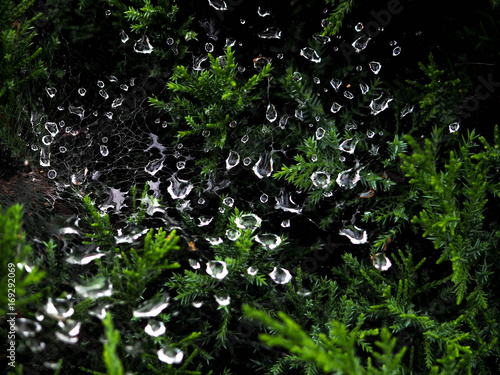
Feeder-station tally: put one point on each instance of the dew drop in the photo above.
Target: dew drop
(296, 76)
(123, 36)
(143, 46)
(310, 54)
(356, 235)
(247, 161)
(218, 4)
(396, 51)
(170, 355)
(79, 111)
(155, 328)
(209, 47)
(454, 127)
(104, 94)
(348, 95)
(264, 166)
(349, 145)
(217, 269)
(359, 26)
(153, 307)
(346, 179)
(271, 113)
(269, 241)
(245, 138)
(100, 84)
(117, 102)
(270, 33)
(335, 83)
(228, 201)
(233, 235)
(380, 104)
(263, 12)
(44, 157)
(95, 288)
(407, 109)
(248, 221)
(178, 188)
(223, 300)
(82, 91)
(51, 91)
(280, 275)
(361, 43)
(104, 150)
(52, 128)
(252, 271)
(194, 264)
(335, 107)
(52, 174)
(232, 160)
(375, 67)
(264, 198)
(381, 262)
(320, 179)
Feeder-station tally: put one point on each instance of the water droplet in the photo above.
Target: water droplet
(361, 43)
(51, 91)
(233, 124)
(375, 67)
(271, 113)
(60, 308)
(396, 51)
(233, 235)
(104, 94)
(349, 145)
(44, 157)
(380, 104)
(335, 107)
(82, 91)
(296, 76)
(170, 41)
(223, 300)
(364, 88)
(252, 271)
(197, 304)
(245, 138)
(143, 45)
(381, 262)
(232, 160)
(107, 13)
(79, 111)
(154, 166)
(316, 80)
(269, 241)
(359, 26)
(247, 161)
(178, 188)
(194, 264)
(27, 327)
(218, 4)
(285, 223)
(320, 179)
(335, 83)
(169, 354)
(123, 36)
(109, 115)
(454, 127)
(407, 109)
(263, 12)
(52, 174)
(117, 102)
(264, 166)
(248, 221)
(204, 220)
(62, 149)
(209, 47)
(280, 275)
(270, 33)
(310, 54)
(356, 235)
(370, 134)
(155, 328)
(348, 95)
(47, 140)
(285, 203)
(346, 180)
(228, 201)
(153, 307)
(320, 133)
(124, 87)
(95, 288)
(34, 147)
(322, 39)
(181, 165)
(217, 269)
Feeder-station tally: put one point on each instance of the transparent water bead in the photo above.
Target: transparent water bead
(79, 111)
(209, 47)
(228, 201)
(153, 307)
(27, 327)
(232, 234)
(223, 300)
(44, 157)
(60, 308)
(361, 43)
(454, 127)
(320, 133)
(117, 102)
(271, 113)
(269, 241)
(335, 107)
(178, 188)
(364, 88)
(375, 67)
(348, 95)
(194, 264)
(310, 54)
(47, 140)
(252, 271)
(123, 37)
(356, 235)
(196, 304)
(104, 94)
(359, 26)
(214, 241)
(263, 12)
(83, 258)
(407, 109)
(204, 220)
(380, 104)
(285, 203)
(320, 179)
(95, 288)
(155, 328)
(51, 91)
(217, 269)
(232, 160)
(170, 355)
(264, 198)
(349, 145)
(248, 221)
(52, 174)
(143, 46)
(336, 83)
(381, 262)
(264, 166)
(280, 275)
(104, 150)
(346, 179)
(82, 91)
(296, 76)
(285, 223)
(154, 166)
(270, 33)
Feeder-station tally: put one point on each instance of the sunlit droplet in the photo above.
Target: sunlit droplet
(217, 269)
(280, 275)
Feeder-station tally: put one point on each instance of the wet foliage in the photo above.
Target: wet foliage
(228, 187)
